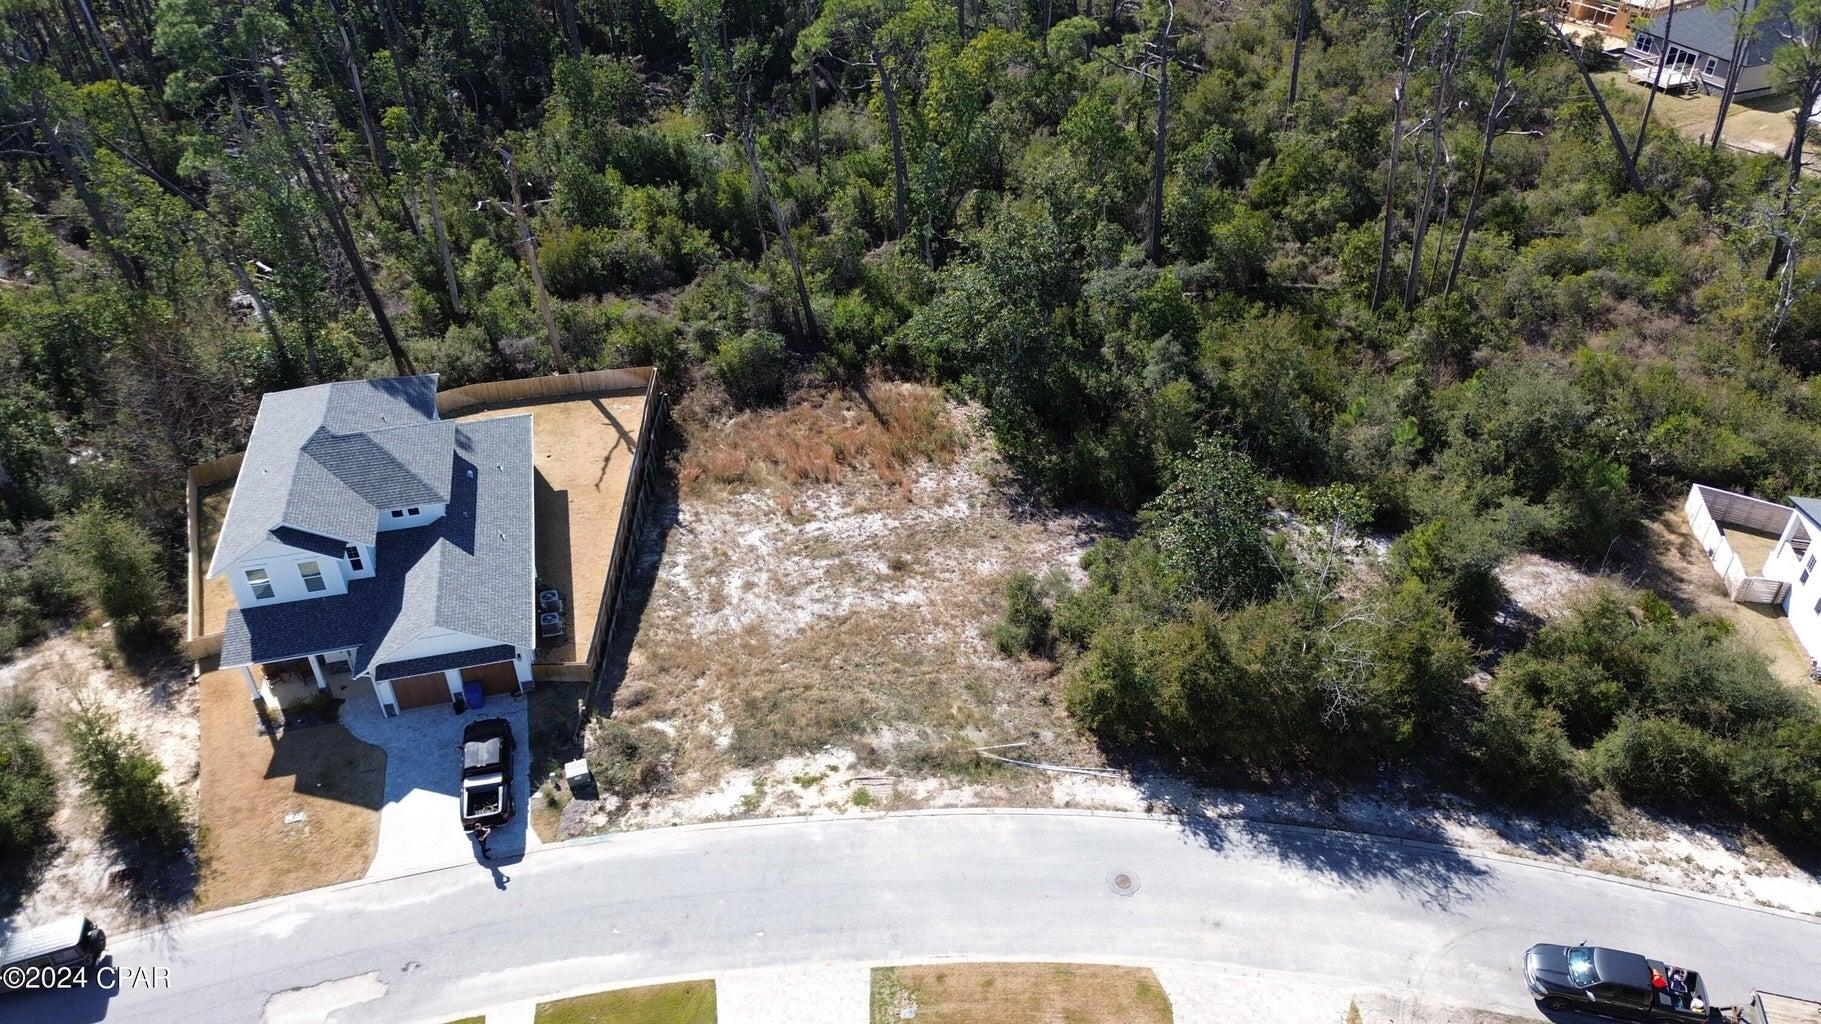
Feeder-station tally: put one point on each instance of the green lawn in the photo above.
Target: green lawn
(686, 1002)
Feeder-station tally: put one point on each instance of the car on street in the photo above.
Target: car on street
(33, 957)
(1614, 983)
(486, 773)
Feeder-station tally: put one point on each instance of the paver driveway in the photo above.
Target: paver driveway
(420, 822)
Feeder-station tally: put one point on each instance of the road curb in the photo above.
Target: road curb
(1178, 821)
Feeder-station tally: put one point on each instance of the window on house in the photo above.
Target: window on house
(312, 577)
(260, 583)
(398, 513)
(411, 511)
(1712, 67)
(354, 561)
(1643, 44)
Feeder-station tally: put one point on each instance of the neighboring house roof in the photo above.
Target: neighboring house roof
(1713, 33)
(325, 459)
(1810, 507)
(441, 662)
(470, 571)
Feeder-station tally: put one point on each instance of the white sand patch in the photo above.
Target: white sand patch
(313, 1005)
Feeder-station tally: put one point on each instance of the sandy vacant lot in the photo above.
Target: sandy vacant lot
(159, 709)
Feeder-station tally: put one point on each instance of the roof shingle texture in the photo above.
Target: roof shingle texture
(470, 571)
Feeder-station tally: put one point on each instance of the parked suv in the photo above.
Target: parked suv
(1594, 979)
(486, 773)
(68, 942)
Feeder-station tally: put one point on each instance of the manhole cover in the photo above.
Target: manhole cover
(1122, 882)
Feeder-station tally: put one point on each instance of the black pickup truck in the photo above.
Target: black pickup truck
(1593, 979)
(486, 773)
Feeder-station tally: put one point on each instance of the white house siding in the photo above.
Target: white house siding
(281, 563)
(1803, 604)
(425, 514)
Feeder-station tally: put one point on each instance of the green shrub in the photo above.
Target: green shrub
(594, 261)
(627, 760)
(28, 791)
(1658, 760)
(1209, 525)
(1519, 750)
(123, 778)
(750, 365)
(1776, 779)
(1025, 628)
(113, 563)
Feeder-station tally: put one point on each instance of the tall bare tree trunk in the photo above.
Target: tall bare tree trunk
(286, 371)
(900, 181)
(316, 174)
(572, 28)
(1153, 228)
(1732, 79)
(1443, 87)
(557, 355)
(1599, 101)
(1656, 83)
(376, 143)
(1398, 95)
(1296, 51)
(1479, 171)
(442, 247)
(763, 186)
(1810, 87)
(815, 117)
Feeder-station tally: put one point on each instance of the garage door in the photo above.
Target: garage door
(420, 691)
(497, 678)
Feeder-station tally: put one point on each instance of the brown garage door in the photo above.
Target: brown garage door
(420, 691)
(495, 679)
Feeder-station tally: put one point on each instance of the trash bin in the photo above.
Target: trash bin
(471, 692)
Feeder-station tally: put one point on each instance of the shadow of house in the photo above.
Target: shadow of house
(649, 545)
(555, 566)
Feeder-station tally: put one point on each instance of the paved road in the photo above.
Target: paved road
(685, 901)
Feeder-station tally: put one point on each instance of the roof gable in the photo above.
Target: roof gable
(308, 467)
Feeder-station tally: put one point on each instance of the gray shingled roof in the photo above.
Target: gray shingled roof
(440, 662)
(324, 459)
(1713, 32)
(1810, 507)
(470, 571)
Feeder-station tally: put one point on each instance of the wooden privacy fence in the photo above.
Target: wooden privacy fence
(468, 398)
(206, 474)
(619, 565)
(1709, 510)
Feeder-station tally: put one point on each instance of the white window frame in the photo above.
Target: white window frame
(258, 578)
(1644, 43)
(311, 573)
(355, 562)
(1711, 68)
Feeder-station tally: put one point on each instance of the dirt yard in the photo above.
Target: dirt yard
(217, 595)
(584, 449)
(1762, 124)
(1019, 994)
(160, 710)
(1674, 564)
(282, 815)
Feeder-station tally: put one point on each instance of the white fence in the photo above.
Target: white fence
(1708, 509)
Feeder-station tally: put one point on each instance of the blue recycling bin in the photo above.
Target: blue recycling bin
(471, 693)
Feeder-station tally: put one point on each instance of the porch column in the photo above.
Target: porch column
(253, 690)
(453, 676)
(522, 666)
(315, 661)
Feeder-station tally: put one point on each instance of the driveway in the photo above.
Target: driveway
(420, 822)
(1350, 913)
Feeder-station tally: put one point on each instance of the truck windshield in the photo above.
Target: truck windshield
(1580, 966)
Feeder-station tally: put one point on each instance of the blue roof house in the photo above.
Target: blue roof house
(366, 535)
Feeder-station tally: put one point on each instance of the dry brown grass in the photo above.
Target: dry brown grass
(887, 428)
(250, 782)
(1020, 994)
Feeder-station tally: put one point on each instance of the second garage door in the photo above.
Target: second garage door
(497, 678)
(421, 691)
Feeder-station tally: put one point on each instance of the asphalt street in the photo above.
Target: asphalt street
(682, 901)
